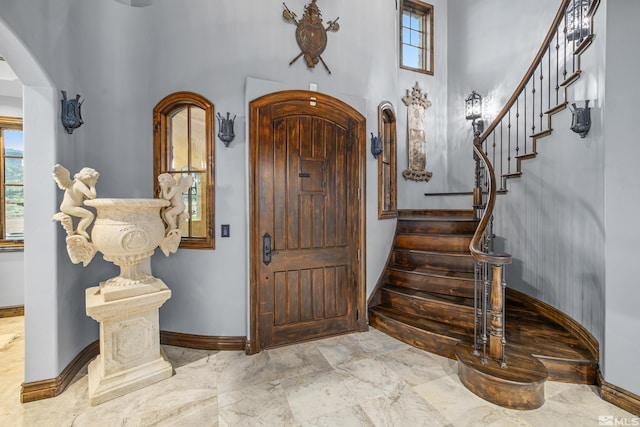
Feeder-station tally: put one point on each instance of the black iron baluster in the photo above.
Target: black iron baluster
(541, 114)
(557, 66)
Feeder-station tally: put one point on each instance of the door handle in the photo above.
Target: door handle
(266, 249)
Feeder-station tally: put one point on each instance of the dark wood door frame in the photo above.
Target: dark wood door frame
(299, 100)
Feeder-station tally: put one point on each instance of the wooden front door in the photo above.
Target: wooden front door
(307, 214)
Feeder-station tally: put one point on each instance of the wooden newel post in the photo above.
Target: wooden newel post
(496, 350)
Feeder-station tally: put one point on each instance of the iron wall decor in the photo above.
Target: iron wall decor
(70, 112)
(376, 145)
(417, 104)
(225, 129)
(311, 35)
(580, 119)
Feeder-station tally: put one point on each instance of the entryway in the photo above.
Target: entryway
(307, 173)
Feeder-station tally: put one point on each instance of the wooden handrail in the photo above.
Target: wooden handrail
(476, 242)
(534, 64)
(476, 245)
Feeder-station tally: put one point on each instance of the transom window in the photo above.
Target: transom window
(183, 144)
(416, 36)
(12, 179)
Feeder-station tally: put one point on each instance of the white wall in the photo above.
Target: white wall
(622, 201)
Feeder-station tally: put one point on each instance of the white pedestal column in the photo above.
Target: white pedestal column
(130, 354)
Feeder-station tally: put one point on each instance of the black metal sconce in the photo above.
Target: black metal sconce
(473, 111)
(70, 112)
(225, 132)
(580, 119)
(376, 145)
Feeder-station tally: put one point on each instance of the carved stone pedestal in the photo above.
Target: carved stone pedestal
(130, 354)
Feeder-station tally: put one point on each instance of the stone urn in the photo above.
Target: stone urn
(127, 232)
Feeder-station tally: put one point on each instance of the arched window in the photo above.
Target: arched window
(183, 143)
(387, 184)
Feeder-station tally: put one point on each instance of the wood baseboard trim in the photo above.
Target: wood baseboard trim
(44, 389)
(620, 397)
(202, 342)
(12, 311)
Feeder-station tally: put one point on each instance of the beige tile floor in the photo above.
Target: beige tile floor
(364, 379)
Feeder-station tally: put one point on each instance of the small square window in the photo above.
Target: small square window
(416, 36)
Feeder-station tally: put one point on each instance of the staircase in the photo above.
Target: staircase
(425, 297)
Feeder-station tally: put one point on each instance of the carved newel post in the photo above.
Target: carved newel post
(127, 232)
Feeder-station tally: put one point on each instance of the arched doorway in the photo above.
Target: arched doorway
(40, 255)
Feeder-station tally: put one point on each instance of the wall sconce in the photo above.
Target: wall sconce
(225, 132)
(473, 111)
(70, 112)
(376, 145)
(578, 20)
(580, 119)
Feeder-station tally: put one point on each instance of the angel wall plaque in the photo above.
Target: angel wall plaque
(417, 104)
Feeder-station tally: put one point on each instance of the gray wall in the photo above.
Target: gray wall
(123, 60)
(622, 197)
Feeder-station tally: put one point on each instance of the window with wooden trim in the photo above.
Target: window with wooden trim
(12, 179)
(183, 143)
(387, 183)
(416, 36)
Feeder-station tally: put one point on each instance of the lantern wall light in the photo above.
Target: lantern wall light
(473, 111)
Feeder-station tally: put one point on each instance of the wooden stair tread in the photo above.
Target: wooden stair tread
(431, 213)
(460, 275)
(451, 332)
(429, 296)
(439, 218)
(435, 253)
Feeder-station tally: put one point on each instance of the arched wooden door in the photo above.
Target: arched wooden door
(307, 153)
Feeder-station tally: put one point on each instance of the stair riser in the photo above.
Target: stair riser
(433, 343)
(450, 314)
(435, 213)
(445, 262)
(433, 284)
(445, 227)
(440, 243)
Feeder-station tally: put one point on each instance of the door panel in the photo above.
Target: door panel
(303, 188)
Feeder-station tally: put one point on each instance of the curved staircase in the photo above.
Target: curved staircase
(425, 298)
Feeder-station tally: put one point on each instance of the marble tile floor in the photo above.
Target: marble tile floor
(362, 379)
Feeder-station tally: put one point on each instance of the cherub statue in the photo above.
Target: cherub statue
(83, 186)
(171, 189)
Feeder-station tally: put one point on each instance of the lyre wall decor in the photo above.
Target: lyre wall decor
(311, 35)
(70, 113)
(417, 104)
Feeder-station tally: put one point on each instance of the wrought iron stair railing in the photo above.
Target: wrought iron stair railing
(511, 138)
